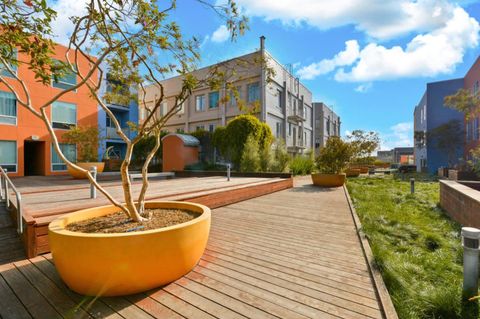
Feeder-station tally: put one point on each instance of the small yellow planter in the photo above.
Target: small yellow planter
(85, 165)
(328, 180)
(127, 263)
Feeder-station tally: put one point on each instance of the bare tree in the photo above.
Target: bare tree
(134, 41)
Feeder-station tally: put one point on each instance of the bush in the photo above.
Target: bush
(250, 160)
(302, 164)
(87, 139)
(232, 139)
(266, 159)
(334, 157)
(280, 157)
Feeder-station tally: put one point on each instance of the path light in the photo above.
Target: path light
(470, 244)
(93, 189)
(412, 185)
(228, 172)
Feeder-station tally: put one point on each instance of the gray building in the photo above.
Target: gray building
(284, 103)
(385, 156)
(327, 123)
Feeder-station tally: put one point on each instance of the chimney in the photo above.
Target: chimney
(262, 43)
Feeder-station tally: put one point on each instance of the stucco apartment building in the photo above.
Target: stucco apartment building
(327, 124)
(283, 103)
(429, 114)
(25, 145)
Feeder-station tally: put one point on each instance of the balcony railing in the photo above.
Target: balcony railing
(112, 133)
(296, 114)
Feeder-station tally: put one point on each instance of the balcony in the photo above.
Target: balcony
(297, 146)
(296, 114)
(112, 133)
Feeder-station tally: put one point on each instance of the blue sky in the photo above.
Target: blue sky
(387, 100)
(368, 59)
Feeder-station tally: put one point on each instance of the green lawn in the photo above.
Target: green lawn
(415, 245)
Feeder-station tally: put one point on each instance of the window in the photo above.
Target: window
(181, 109)
(142, 114)
(328, 126)
(200, 103)
(289, 129)
(278, 130)
(213, 98)
(8, 156)
(475, 129)
(476, 88)
(70, 152)
(289, 99)
(4, 71)
(108, 122)
(253, 91)
(200, 128)
(211, 128)
(279, 97)
(8, 108)
(68, 80)
(163, 109)
(233, 101)
(64, 115)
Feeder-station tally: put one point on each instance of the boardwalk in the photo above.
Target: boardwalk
(290, 254)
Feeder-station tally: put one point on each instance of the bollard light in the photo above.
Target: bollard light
(228, 172)
(93, 189)
(412, 185)
(470, 244)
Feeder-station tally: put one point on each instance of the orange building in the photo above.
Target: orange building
(25, 144)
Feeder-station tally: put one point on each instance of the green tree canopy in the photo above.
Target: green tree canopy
(464, 101)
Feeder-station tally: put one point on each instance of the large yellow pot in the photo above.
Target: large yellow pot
(85, 165)
(328, 180)
(126, 263)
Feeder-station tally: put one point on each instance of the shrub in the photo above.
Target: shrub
(232, 139)
(250, 160)
(280, 157)
(302, 164)
(334, 157)
(87, 139)
(266, 159)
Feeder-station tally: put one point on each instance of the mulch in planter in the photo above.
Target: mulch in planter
(119, 223)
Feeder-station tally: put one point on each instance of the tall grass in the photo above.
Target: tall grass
(415, 245)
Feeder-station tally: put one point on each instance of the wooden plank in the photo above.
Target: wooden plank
(179, 306)
(29, 296)
(125, 308)
(223, 299)
(96, 308)
(10, 306)
(153, 307)
(61, 302)
(202, 303)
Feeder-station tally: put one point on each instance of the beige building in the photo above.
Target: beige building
(283, 102)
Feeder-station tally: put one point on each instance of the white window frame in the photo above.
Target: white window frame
(52, 149)
(16, 157)
(181, 109)
(202, 98)
(12, 117)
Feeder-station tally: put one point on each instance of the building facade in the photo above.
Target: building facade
(385, 156)
(327, 124)
(472, 83)
(25, 144)
(124, 111)
(429, 114)
(282, 101)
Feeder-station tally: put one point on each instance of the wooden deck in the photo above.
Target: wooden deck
(46, 198)
(290, 254)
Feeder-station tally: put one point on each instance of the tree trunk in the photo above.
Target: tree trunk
(132, 209)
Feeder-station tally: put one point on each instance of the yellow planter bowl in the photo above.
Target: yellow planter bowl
(328, 180)
(352, 172)
(85, 165)
(127, 263)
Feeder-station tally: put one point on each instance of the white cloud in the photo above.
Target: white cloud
(363, 88)
(426, 55)
(222, 34)
(399, 135)
(62, 26)
(345, 57)
(378, 19)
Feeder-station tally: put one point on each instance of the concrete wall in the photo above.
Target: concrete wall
(29, 125)
(176, 155)
(461, 202)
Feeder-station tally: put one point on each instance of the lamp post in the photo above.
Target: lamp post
(470, 244)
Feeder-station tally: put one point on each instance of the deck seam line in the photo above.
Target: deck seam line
(388, 309)
(16, 296)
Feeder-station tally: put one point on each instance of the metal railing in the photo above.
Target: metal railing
(5, 186)
(111, 133)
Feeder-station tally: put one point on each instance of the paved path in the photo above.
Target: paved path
(290, 254)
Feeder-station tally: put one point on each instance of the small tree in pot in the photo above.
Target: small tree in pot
(332, 162)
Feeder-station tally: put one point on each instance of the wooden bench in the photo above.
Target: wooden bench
(161, 174)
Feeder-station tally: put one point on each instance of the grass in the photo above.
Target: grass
(416, 247)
